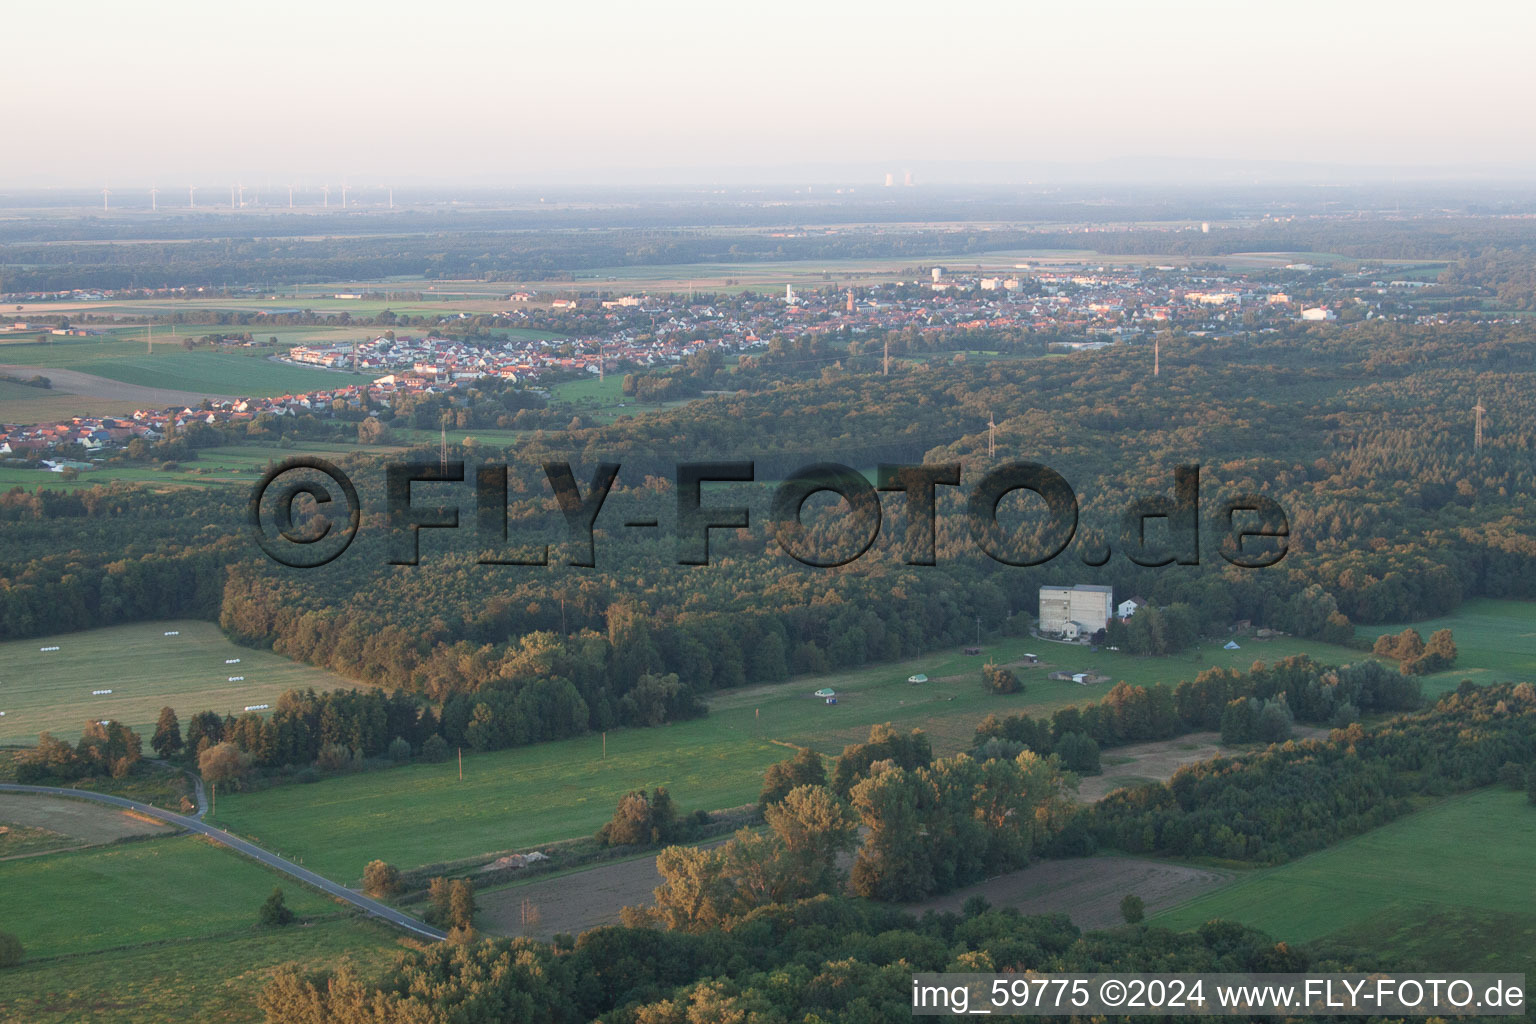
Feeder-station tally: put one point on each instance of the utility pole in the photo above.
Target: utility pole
(1477, 435)
(1156, 354)
(991, 436)
(461, 764)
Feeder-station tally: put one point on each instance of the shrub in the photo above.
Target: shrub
(334, 757)
(11, 952)
(1133, 909)
(399, 750)
(1000, 680)
(381, 879)
(274, 911)
(641, 818)
(804, 769)
(435, 750)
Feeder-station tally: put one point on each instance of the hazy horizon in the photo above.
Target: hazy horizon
(382, 93)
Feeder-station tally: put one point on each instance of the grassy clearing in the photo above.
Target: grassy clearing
(1464, 862)
(214, 980)
(140, 892)
(1495, 642)
(145, 670)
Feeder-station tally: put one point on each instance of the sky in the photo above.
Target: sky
(169, 92)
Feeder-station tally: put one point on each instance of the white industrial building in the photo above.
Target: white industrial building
(1074, 612)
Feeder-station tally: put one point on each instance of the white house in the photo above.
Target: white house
(1129, 606)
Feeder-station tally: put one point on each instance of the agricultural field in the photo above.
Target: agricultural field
(1449, 885)
(121, 356)
(21, 403)
(140, 932)
(221, 975)
(133, 893)
(514, 799)
(31, 824)
(1086, 889)
(1495, 642)
(145, 670)
(950, 705)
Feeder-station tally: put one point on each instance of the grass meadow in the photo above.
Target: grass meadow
(1495, 642)
(133, 893)
(162, 930)
(121, 355)
(145, 670)
(1449, 886)
(212, 979)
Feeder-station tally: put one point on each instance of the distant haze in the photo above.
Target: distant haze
(97, 94)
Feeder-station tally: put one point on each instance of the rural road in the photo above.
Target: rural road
(371, 907)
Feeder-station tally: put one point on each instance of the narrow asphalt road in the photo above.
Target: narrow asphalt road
(371, 907)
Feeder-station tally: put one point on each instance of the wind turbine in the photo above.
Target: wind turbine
(154, 202)
(290, 197)
(191, 197)
(104, 193)
(231, 197)
(242, 196)
(344, 187)
(327, 190)
(391, 197)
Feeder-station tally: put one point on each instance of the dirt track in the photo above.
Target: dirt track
(572, 903)
(88, 385)
(84, 824)
(1087, 889)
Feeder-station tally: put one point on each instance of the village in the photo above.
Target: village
(1069, 309)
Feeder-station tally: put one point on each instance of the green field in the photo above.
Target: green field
(213, 980)
(1495, 642)
(134, 893)
(422, 814)
(164, 929)
(145, 669)
(1449, 886)
(511, 799)
(21, 403)
(121, 356)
